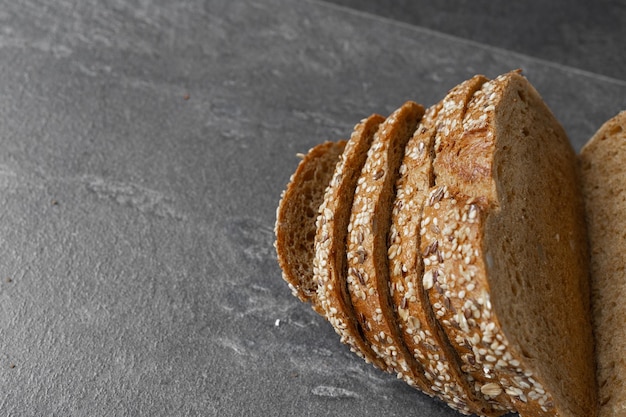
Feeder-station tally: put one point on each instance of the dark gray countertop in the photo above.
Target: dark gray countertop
(579, 33)
(143, 149)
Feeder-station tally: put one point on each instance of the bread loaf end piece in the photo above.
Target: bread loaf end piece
(603, 168)
(509, 244)
(330, 264)
(296, 216)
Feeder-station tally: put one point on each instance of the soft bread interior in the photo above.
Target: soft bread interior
(603, 163)
(296, 215)
(535, 248)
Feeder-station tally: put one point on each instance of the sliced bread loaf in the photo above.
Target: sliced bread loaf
(506, 241)
(330, 264)
(470, 279)
(368, 273)
(296, 216)
(421, 333)
(603, 163)
(449, 129)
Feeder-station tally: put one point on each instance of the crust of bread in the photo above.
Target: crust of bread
(422, 333)
(495, 264)
(296, 216)
(420, 330)
(507, 227)
(450, 171)
(368, 273)
(603, 168)
(330, 264)
(451, 224)
(449, 168)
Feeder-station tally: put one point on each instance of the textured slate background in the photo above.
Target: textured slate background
(143, 149)
(583, 34)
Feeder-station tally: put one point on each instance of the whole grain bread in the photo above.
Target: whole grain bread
(603, 168)
(506, 238)
(463, 265)
(296, 215)
(421, 332)
(330, 263)
(367, 244)
(449, 130)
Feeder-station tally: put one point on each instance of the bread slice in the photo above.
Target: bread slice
(603, 163)
(405, 264)
(329, 263)
(421, 332)
(296, 216)
(507, 264)
(450, 128)
(368, 272)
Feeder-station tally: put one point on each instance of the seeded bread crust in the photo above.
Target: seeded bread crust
(367, 244)
(448, 169)
(449, 129)
(451, 226)
(507, 253)
(421, 333)
(603, 163)
(296, 215)
(500, 258)
(329, 263)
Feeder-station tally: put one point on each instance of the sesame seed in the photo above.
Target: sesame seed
(428, 279)
(491, 389)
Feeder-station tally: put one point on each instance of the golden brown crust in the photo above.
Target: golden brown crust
(367, 244)
(497, 271)
(453, 229)
(452, 232)
(330, 264)
(420, 331)
(461, 162)
(296, 216)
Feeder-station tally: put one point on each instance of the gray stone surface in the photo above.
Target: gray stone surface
(143, 149)
(583, 34)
